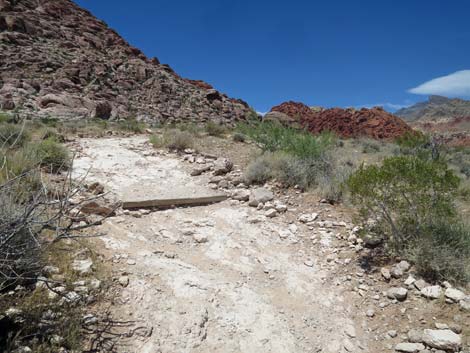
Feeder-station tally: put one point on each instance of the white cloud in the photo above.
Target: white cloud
(453, 85)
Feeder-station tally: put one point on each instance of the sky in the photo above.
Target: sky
(331, 53)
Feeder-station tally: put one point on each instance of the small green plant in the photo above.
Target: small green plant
(6, 118)
(53, 155)
(239, 137)
(12, 135)
(214, 129)
(48, 121)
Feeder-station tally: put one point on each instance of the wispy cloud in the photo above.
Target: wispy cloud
(456, 84)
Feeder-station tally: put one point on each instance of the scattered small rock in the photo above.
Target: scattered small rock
(442, 339)
(82, 266)
(398, 293)
(260, 195)
(454, 294)
(409, 347)
(431, 292)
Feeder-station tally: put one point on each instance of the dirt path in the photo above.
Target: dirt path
(217, 278)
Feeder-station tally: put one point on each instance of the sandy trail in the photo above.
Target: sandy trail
(215, 278)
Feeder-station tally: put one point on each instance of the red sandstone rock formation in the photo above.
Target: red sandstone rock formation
(375, 123)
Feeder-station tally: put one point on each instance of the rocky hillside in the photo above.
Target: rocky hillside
(375, 123)
(57, 59)
(436, 108)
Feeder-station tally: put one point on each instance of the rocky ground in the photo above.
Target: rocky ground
(266, 270)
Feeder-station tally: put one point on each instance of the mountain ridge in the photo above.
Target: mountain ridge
(435, 108)
(57, 59)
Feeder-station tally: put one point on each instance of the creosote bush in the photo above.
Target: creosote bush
(292, 157)
(411, 198)
(272, 136)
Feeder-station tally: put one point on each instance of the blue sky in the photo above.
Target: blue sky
(328, 53)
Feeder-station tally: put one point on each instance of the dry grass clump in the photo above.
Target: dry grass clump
(173, 139)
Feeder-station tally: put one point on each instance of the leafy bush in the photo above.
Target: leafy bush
(13, 135)
(173, 139)
(273, 136)
(214, 129)
(53, 155)
(442, 252)
(411, 201)
(405, 192)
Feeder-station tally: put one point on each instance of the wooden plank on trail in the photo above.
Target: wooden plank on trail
(188, 201)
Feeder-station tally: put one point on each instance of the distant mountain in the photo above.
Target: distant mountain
(436, 108)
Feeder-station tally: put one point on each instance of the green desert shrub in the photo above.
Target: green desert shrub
(291, 156)
(411, 201)
(238, 137)
(53, 155)
(173, 139)
(272, 136)
(214, 129)
(442, 252)
(12, 135)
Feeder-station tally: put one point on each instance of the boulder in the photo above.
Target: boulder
(442, 339)
(415, 336)
(409, 347)
(260, 195)
(222, 166)
(241, 195)
(93, 207)
(454, 294)
(398, 293)
(385, 273)
(431, 292)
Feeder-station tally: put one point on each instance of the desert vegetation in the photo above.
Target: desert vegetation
(409, 202)
(38, 219)
(295, 158)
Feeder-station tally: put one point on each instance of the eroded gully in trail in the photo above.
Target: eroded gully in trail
(216, 278)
